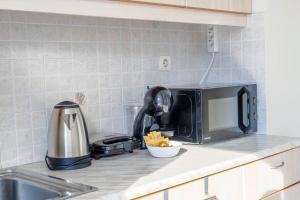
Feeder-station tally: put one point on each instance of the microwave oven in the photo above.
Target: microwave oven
(212, 112)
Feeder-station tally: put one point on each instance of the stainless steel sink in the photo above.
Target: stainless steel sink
(16, 184)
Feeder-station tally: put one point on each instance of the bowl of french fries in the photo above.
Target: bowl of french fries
(160, 146)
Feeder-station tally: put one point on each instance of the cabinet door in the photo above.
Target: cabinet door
(227, 185)
(192, 191)
(155, 196)
(242, 6)
(163, 2)
(296, 162)
(291, 193)
(209, 4)
(269, 175)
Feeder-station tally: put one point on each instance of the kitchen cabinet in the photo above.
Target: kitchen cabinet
(276, 177)
(240, 6)
(181, 3)
(227, 185)
(160, 10)
(269, 175)
(193, 190)
(155, 196)
(290, 193)
(295, 157)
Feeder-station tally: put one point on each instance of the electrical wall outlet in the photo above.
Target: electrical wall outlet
(164, 63)
(212, 39)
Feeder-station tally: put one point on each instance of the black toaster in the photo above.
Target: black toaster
(113, 145)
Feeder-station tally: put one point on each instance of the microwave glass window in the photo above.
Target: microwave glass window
(222, 113)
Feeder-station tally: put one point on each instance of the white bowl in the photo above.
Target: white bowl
(165, 152)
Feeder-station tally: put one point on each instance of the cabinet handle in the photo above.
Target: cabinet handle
(211, 198)
(279, 166)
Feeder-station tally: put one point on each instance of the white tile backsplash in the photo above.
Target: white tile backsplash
(47, 58)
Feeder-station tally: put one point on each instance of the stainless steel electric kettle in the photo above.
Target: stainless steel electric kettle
(68, 142)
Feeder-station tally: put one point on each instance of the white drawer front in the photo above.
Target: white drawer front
(291, 193)
(156, 196)
(295, 157)
(227, 185)
(192, 191)
(268, 175)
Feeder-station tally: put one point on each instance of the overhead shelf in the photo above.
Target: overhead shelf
(128, 10)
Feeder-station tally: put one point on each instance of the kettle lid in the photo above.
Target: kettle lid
(66, 104)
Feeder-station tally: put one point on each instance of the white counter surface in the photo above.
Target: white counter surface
(129, 176)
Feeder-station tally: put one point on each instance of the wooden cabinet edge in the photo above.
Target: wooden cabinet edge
(153, 3)
(125, 10)
(276, 192)
(147, 195)
(152, 196)
(186, 6)
(166, 189)
(220, 10)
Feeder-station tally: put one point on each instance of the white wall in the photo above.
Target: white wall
(46, 58)
(282, 26)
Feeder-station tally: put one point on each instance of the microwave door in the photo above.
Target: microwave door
(221, 114)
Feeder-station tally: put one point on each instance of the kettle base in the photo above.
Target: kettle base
(68, 163)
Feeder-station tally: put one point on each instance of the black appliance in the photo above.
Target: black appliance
(157, 101)
(203, 114)
(113, 145)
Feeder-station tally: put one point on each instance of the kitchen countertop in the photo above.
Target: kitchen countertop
(129, 176)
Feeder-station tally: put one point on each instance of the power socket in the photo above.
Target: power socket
(212, 39)
(164, 63)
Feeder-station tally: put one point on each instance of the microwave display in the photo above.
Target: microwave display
(207, 114)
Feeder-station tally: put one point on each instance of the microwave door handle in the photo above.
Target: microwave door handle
(244, 127)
